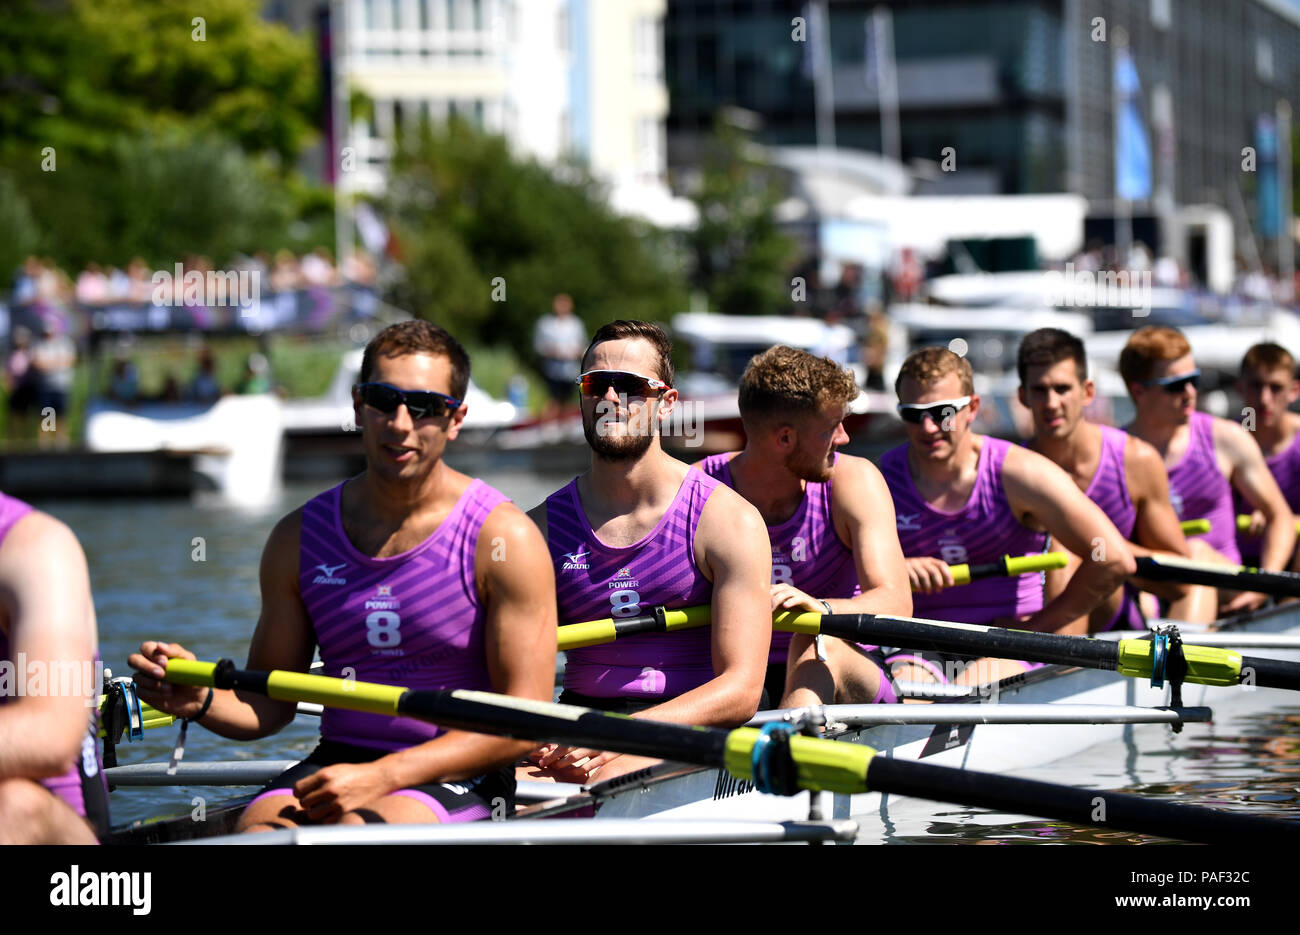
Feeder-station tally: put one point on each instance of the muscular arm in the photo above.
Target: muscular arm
(1157, 529)
(732, 548)
(1251, 476)
(283, 640)
(863, 508)
(45, 600)
(517, 584)
(1037, 488)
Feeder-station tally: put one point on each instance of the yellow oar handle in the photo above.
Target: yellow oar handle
(594, 632)
(1198, 527)
(299, 686)
(819, 764)
(188, 672)
(1008, 566)
(1243, 523)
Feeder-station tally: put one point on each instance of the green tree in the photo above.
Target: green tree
(741, 256)
(489, 238)
(76, 74)
(155, 127)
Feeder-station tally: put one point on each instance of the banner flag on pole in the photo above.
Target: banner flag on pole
(1132, 149)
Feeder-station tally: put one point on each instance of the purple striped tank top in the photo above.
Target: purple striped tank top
(1109, 490)
(594, 581)
(983, 530)
(1198, 489)
(806, 552)
(71, 784)
(1285, 467)
(413, 619)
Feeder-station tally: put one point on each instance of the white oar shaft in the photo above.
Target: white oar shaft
(863, 715)
(557, 831)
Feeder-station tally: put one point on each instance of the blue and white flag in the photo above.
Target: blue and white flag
(1268, 187)
(812, 52)
(871, 63)
(1132, 149)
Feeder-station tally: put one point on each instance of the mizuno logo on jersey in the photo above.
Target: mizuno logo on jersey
(327, 575)
(909, 521)
(576, 561)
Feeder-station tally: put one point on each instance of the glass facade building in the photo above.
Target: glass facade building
(1019, 89)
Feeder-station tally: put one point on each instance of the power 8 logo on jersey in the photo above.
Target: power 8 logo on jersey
(383, 624)
(624, 601)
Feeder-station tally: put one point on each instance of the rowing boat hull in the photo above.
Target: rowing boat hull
(673, 791)
(678, 792)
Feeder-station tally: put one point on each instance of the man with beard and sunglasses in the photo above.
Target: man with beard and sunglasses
(960, 497)
(641, 530)
(1121, 474)
(408, 574)
(830, 520)
(1206, 456)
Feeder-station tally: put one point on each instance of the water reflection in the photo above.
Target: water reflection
(1248, 763)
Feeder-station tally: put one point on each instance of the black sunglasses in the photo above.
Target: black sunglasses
(1176, 385)
(598, 382)
(421, 404)
(938, 411)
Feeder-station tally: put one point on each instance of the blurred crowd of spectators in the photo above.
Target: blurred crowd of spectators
(41, 281)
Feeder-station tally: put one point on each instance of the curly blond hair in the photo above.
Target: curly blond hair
(785, 382)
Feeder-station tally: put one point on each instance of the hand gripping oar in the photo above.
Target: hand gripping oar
(1235, 577)
(777, 760)
(1008, 566)
(595, 632)
(1196, 527)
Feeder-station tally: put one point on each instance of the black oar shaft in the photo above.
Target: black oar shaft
(527, 721)
(1096, 808)
(1280, 583)
(1270, 673)
(979, 641)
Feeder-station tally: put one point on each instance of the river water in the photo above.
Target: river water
(187, 572)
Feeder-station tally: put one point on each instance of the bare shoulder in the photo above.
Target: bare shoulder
(728, 516)
(280, 555)
(1024, 463)
(1232, 438)
(1142, 456)
(41, 531)
(856, 483)
(511, 524)
(39, 547)
(287, 530)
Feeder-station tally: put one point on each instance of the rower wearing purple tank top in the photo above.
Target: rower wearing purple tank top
(1121, 474)
(960, 497)
(408, 574)
(1269, 388)
(52, 790)
(829, 518)
(1206, 456)
(641, 530)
